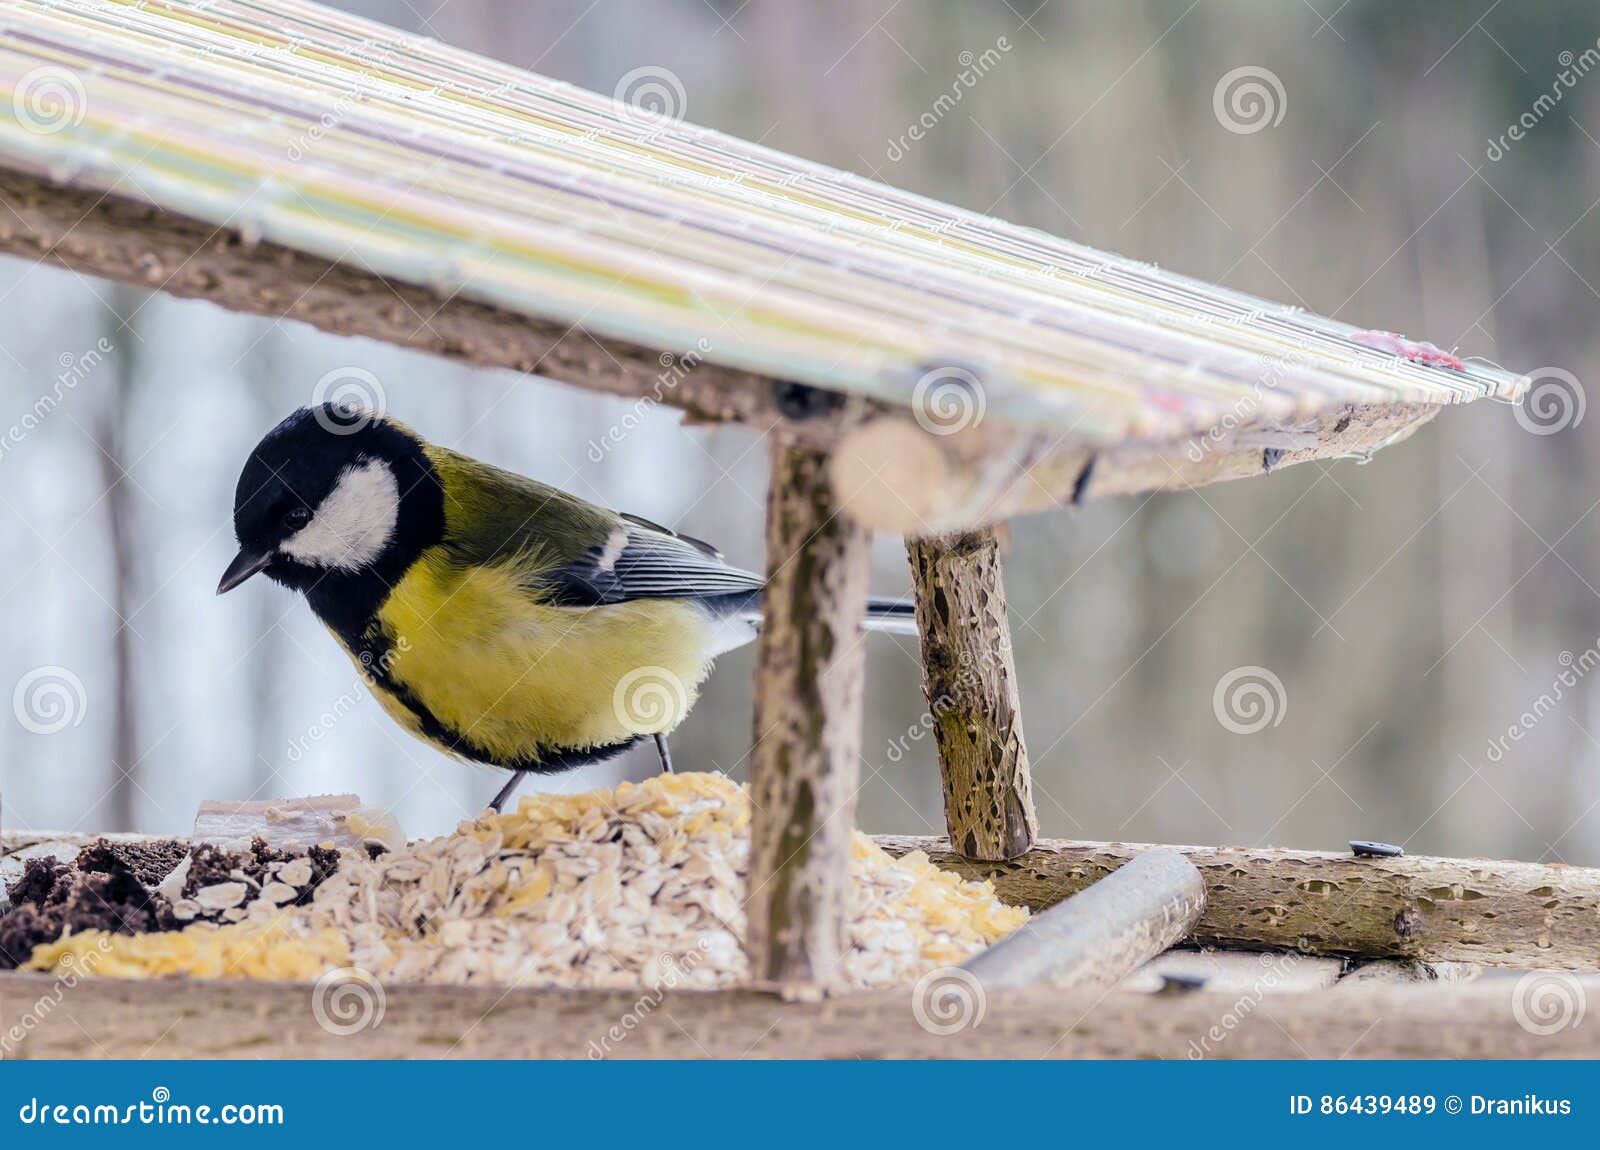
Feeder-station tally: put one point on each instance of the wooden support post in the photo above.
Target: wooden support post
(1105, 933)
(806, 760)
(1487, 911)
(970, 682)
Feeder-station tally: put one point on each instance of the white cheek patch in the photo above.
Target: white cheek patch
(354, 523)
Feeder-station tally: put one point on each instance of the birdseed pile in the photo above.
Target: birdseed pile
(638, 886)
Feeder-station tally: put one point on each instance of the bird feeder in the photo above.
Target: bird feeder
(915, 368)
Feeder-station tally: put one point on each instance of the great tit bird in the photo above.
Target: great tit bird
(502, 620)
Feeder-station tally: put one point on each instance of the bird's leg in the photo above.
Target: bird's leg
(666, 755)
(506, 791)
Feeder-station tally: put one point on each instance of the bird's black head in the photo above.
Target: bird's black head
(337, 503)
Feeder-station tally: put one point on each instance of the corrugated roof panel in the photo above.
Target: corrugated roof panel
(352, 141)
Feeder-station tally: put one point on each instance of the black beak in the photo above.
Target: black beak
(244, 565)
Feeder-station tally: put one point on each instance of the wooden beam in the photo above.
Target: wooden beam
(1101, 935)
(1429, 909)
(969, 678)
(180, 1018)
(806, 761)
(900, 476)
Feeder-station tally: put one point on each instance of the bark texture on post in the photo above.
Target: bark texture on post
(1487, 911)
(971, 685)
(806, 759)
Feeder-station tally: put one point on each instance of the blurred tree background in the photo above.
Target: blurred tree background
(1415, 609)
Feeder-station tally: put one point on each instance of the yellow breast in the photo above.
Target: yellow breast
(520, 678)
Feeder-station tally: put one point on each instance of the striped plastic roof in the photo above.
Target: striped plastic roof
(349, 140)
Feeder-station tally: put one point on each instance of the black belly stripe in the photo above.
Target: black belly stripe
(372, 649)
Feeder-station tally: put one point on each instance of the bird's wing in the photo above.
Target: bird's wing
(643, 560)
(581, 555)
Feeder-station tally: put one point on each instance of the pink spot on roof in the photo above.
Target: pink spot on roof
(1417, 352)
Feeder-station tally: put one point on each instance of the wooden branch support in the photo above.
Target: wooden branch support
(806, 761)
(1428, 909)
(1103, 934)
(969, 679)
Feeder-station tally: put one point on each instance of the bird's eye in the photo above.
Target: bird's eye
(296, 517)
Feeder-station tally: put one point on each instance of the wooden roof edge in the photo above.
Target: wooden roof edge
(896, 473)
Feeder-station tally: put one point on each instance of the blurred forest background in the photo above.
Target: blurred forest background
(1415, 609)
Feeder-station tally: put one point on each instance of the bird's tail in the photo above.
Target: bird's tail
(892, 616)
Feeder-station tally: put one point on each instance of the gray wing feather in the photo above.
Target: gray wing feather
(643, 560)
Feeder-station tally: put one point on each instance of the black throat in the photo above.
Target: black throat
(348, 601)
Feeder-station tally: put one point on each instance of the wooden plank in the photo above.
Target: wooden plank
(1483, 911)
(904, 479)
(805, 764)
(1238, 972)
(913, 482)
(1100, 935)
(969, 678)
(104, 1018)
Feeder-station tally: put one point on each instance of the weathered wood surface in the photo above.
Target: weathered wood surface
(1393, 971)
(805, 763)
(1254, 972)
(900, 477)
(904, 480)
(177, 1019)
(1102, 934)
(969, 678)
(1433, 909)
